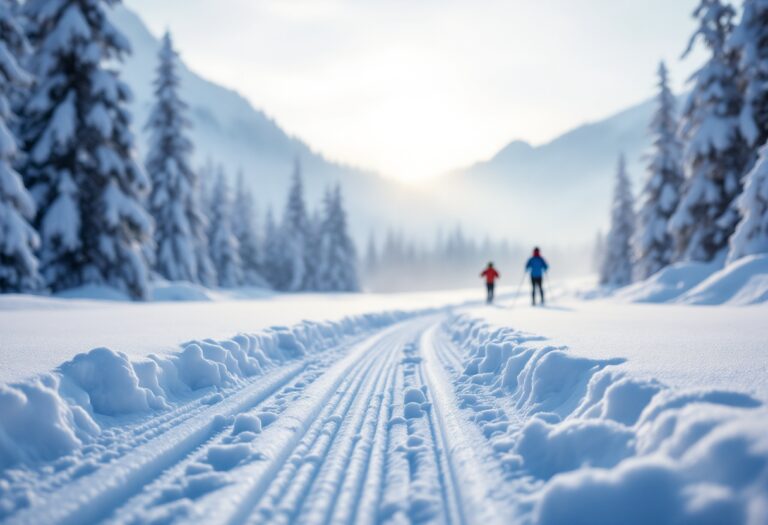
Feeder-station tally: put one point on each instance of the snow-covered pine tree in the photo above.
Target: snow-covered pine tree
(314, 239)
(337, 268)
(616, 269)
(654, 247)
(80, 165)
(296, 231)
(225, 248)
(206, 272)
(273, 257)
(715, 154)
(180, 228)
(749, 40)
(246, 230)
(18, 239)
(751, 235)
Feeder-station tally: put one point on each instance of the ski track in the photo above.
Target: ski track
(369, 432)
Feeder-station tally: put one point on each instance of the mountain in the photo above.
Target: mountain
(555, 193)
(558, 191)
(229, 130)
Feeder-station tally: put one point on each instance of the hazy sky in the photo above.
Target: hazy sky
(412, 88)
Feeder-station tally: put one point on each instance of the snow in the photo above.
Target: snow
(740, 283)
(683, 346)
(93, 316)
(605, 442)
(324, 408)
(668, 283)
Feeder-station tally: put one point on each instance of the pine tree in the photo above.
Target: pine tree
(246, 230)
(296, 231)
(751, 236)
(206, 272)
(273, 259)
(715, 154)
(654, 246)
(616, 269)
(225, 249)
(18, 239)
(749, 40)
(337, 269)
(180, 234)
(80, 166)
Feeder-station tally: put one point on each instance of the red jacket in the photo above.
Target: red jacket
(490, 275)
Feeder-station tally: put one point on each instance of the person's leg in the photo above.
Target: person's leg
(541, 289)
(533, 291)
(491, 289)
(489, 294)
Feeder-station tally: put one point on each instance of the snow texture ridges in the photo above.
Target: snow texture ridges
(53, 414)
(604, 443)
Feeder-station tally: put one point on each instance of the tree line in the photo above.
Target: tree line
(77, 207)
(705, 196)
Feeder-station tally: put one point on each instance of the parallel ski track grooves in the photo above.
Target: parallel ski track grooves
(371, 473)
(94, 497)
(346, 446)
(240, 501)
(321, 440)
(294, 502)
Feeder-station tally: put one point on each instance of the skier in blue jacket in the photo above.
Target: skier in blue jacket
(537, 266)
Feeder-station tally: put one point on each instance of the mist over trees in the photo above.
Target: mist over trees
(616, 269)
(77, 208)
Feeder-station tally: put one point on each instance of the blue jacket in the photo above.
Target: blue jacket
(537, 266)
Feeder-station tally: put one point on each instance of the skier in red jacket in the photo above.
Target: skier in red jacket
(490, 275)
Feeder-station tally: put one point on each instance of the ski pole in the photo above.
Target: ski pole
(519, 287)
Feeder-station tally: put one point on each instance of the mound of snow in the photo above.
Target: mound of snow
(48, 416)
(742, 282)
(605, 447)
(668, 283)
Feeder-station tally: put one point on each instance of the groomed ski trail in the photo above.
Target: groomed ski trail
(364, 433)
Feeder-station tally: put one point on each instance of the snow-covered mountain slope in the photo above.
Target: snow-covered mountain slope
(561, 189)
(229, 130)
(530, 194)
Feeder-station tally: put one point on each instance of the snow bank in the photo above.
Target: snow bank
(57, 413)
(742, 282)
(604, 444)
(668, 283)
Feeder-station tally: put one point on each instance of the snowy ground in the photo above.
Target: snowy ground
(581, 412)
(39, 333)
(684, 346)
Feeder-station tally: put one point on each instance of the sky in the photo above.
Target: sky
(415, 88)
